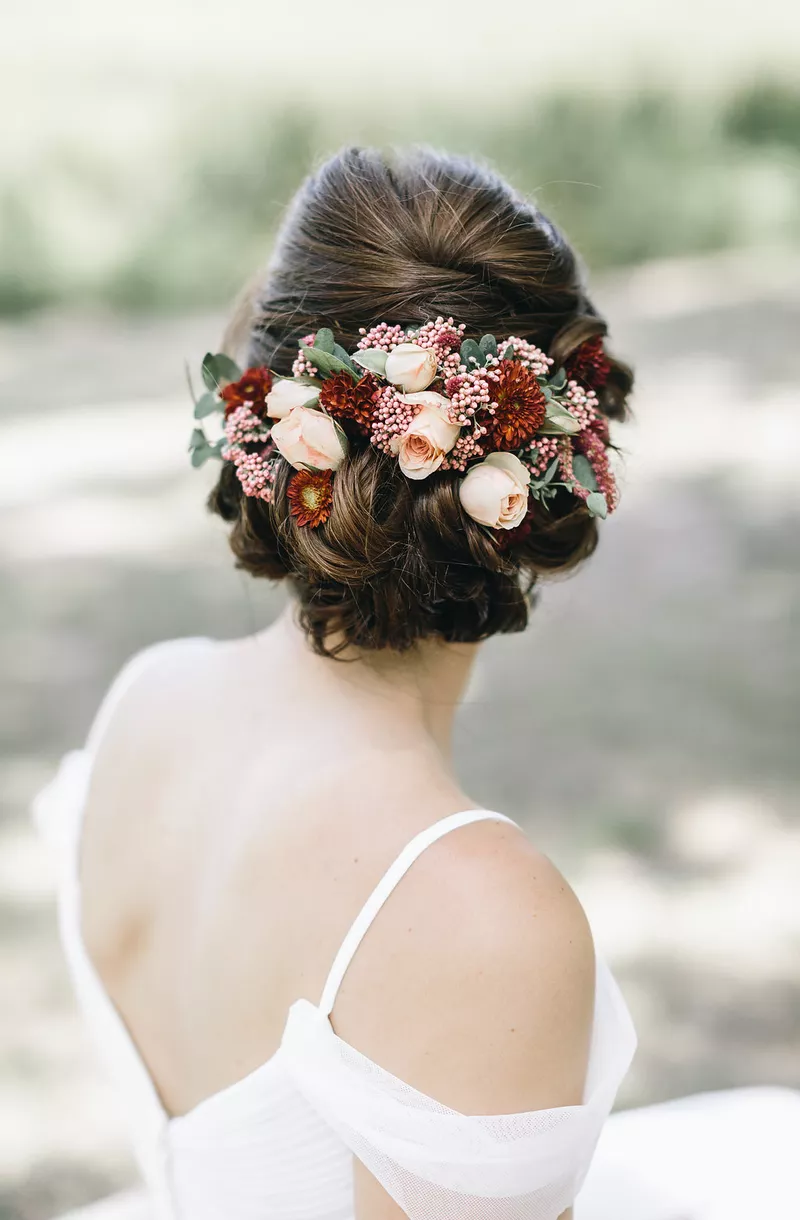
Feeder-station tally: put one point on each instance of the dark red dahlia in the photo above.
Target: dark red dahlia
(249, 391)
(519, 404)
(346, 399)
(589, 364)
(310, 496)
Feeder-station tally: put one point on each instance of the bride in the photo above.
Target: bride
(327, 985)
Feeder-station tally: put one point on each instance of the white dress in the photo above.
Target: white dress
(278, 1144)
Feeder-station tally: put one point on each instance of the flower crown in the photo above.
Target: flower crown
(492, 410)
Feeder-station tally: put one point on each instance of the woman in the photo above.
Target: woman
(313, 965)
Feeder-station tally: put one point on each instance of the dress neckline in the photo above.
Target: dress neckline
(82, 959)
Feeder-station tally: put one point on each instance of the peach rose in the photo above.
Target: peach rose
(495, 492)
(430, 435)
(286, 394)
(411, 367)
(309, 440)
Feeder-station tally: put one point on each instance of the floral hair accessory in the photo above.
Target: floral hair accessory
(494, 411)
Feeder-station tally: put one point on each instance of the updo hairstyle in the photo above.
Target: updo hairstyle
(369, 239)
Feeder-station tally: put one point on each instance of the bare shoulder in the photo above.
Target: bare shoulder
(476, 983)
(149, 686)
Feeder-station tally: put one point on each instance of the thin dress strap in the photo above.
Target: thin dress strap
(384, 888)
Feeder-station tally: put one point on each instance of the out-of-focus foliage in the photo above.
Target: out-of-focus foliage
(644, 175)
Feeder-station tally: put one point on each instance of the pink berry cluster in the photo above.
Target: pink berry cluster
(469, 393)
(255, 471)
(466, 449)
(243, 427)
(391, 417)
(582, 403)
(383, 336)
(594, 449)
(542, 452)
(301, 367)
(443, 337)
(528, 354)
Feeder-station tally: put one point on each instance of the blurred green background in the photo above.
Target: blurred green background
(645, 728)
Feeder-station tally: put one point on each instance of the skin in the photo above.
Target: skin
(227, 848)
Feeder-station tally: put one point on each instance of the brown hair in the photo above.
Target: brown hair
(369, 239)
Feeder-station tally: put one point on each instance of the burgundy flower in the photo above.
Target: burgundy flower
(346, 399)
(520, 406)
(589, 364)
(249, 391)
(310, 496)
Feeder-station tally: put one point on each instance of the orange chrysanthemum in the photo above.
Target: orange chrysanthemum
(310, 496)
(589, 364)
(250, 390)
(346, 399)
(519, 406)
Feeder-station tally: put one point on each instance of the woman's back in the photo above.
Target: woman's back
(231, 839)
(410, 477)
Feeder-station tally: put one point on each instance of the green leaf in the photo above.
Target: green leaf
(509, 353)
(227, 370)
(559, 380)
(198, 438)
(324, 340)
(206, 405)
(582, 470)
(372, 359)
(471, 355)
(209, 380)
(345, 358)
(325, 363)
(552, 471)
(488, 345)
(303, 379)
(341, 436)
(559, 419)
(219, 370)
(596, 504)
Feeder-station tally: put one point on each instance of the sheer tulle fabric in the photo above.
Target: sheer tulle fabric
(279, 1143)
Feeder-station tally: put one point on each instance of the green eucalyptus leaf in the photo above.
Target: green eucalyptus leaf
(558, 419)
(206, 405)
(209, 380)
(559, 380)
(227, 370)
(302, 379)
(488, 345)
(198, 438)
(596, 504)
(324, 340)
(326, 363)
(345, 358)
(219, 370)
(552, 471)
(372, 359)
(341, 436)
(509, 353)
(582, 470)
(548, 393)
(471, 355)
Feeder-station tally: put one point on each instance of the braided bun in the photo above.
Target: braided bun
(405, 241)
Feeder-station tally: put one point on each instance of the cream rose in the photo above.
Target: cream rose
(495, 492)
(286, 394)
(411, 367)
(308, 439)
(430, 435)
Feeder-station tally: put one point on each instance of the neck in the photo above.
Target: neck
(413, 692)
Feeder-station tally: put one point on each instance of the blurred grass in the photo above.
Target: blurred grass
(647, 174)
